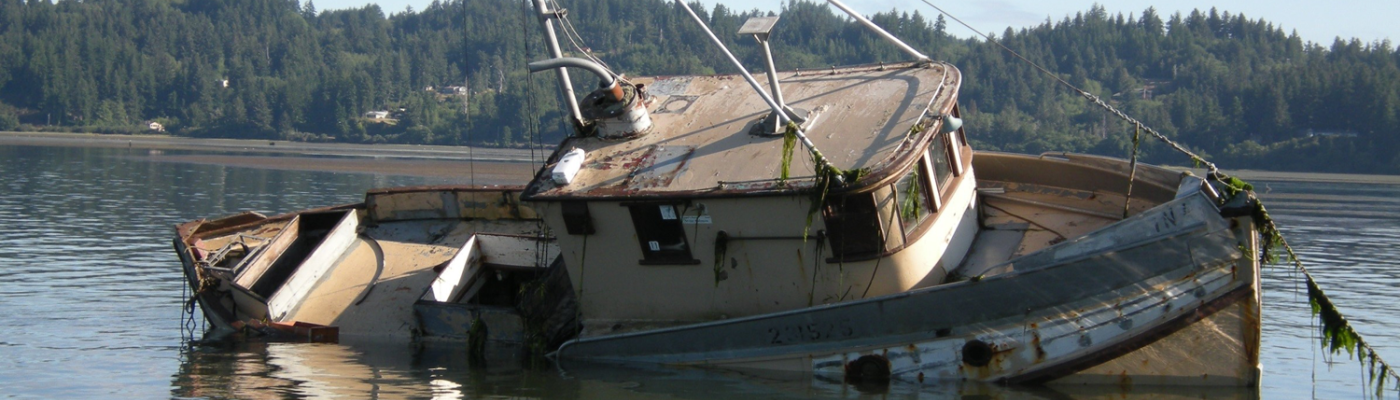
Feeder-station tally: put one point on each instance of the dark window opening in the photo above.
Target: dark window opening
(576, 218)
(661, 234)
(853, 225)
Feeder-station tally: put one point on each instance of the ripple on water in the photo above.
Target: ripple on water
(90, 288)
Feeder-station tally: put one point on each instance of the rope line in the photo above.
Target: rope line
(1090, 96)
(575, 39)
(530, 123)
(1132, 171)
(466, 97)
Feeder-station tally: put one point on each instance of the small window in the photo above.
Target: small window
(942, 166)
(913, 198)
(853, 225)
(661, 234)
(576, 218)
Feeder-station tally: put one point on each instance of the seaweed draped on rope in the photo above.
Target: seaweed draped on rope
(1337, 335)
(824, 173)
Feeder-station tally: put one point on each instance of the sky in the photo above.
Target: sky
(1368, 20)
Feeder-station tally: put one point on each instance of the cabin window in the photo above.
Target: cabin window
(853, 225)
(941, 160)
(959, 139)
(661, 234)
(576, 218)
(913, 197)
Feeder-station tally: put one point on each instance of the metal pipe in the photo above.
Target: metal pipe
(559, 63)
(772, 73)
(566, 87)
(880, 31)
(607, 82)
(777, 110)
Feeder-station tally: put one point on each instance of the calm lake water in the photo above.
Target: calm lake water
(91, 298)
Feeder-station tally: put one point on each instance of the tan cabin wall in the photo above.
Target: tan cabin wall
(768, 267)
(928, 258)
(760, 275)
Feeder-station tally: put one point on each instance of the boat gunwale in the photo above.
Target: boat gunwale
(1132, 343)
(190, 229)
(890, 341)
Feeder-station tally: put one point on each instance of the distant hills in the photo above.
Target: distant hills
(1243, 92)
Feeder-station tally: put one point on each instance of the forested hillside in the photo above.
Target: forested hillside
(1242, 91)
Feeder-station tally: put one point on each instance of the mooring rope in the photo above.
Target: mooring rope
(1337, 333)
(1090, 96)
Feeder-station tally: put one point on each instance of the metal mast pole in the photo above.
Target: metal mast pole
(777, 109)
(566, 87)
(880, 31)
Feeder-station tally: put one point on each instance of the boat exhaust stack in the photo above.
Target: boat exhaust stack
(617, 108)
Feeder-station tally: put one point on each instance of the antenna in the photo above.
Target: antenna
(760, 27)
(822, 163)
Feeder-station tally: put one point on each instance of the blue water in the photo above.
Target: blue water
(91, 298)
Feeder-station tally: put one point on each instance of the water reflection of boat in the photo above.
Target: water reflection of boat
(669, 230)
(261, 370)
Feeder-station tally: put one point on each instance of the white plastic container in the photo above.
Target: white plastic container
(568, 166)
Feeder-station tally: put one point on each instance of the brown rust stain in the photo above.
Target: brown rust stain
(1035, 341)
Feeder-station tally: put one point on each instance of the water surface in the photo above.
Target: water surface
(91, 297)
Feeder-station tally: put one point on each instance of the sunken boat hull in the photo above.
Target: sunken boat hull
(406, 264)
(1133, 301)
(682, 230)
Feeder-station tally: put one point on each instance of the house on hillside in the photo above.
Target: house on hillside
(155, 126)
(377, 114)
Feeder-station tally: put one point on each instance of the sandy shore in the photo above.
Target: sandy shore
(466, 164)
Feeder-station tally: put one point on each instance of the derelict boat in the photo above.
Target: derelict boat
(681, 225)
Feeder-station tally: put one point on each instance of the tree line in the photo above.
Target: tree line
(1239, 90)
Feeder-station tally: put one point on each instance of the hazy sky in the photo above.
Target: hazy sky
(1368, 20)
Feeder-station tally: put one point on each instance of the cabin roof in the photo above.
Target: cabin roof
(700, 143)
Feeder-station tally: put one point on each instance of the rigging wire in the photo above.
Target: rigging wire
(1090, 96)
(530, 123)
(575, 39)
(466, 97)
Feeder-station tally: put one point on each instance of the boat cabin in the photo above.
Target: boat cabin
(691, 219)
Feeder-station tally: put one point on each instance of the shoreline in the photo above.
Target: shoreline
(486, 166)
(493, 165)
(166, 142)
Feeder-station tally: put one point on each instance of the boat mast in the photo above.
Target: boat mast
(566, 87)
(900, 43)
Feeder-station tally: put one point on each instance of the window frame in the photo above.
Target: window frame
(920, 179)
(653, 228)
(843, 217)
